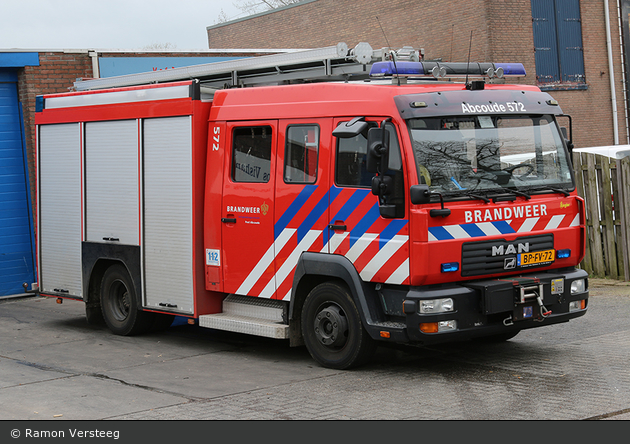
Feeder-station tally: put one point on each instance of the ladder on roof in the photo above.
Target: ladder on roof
(332, 63)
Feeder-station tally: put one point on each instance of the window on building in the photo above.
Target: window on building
(558, 44)
(300, 163)
(251, 154)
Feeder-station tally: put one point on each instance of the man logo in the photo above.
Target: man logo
(509, 263)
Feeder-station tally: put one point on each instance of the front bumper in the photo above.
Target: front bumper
(495, 306)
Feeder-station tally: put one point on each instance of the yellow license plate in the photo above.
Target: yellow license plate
(536, 257)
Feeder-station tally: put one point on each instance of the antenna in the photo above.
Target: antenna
(468, 63)
(391, 52)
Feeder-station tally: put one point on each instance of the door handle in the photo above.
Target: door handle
(228, 220)
(111, 239)
(337, 227)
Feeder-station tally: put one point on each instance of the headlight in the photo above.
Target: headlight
(578, 286)
(436, 306)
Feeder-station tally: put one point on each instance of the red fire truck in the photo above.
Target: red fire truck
(331, 197)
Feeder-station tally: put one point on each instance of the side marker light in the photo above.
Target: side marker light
(563, 254)
(450, 267)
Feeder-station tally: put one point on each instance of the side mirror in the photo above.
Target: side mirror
(566, 138)
(377, 150)
(420, 194)
(347, 130)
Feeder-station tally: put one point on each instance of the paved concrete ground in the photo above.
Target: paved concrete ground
(53, 366)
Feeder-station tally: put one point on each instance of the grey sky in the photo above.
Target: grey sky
(109, 24)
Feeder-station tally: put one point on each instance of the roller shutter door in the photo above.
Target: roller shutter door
(16, 239)
(60, 209)
(168, 237)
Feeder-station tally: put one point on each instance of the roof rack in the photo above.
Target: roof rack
(323, 64)
(332, 63)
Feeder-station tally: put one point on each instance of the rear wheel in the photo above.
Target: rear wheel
(119, 303)
(332, 328)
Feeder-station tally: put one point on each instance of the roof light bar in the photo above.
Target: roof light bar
(441, 70)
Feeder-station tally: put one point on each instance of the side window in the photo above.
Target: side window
(350, 170)
(300, 159)
(351, 157)
(251, 154)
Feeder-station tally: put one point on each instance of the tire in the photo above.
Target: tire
(332, 329)
(120, 305)
(94, 314)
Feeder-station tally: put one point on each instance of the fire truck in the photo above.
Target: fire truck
(331, 197)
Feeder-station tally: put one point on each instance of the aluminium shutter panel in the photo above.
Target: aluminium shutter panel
(168, 213)
(112, 187)
(60, 208)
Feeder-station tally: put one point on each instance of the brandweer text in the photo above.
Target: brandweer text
(505, 213)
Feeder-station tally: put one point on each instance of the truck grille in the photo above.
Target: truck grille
(478, 259)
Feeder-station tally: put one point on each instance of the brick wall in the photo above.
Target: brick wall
(55, 74)
(501, 32)
(427, 23)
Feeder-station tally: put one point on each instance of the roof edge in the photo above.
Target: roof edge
(260, 14)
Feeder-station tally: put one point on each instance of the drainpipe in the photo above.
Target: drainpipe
(612, 74)
(95, 72)
(618, 199)
(623, 71)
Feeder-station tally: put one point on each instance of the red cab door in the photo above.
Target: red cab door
(378, 247)
(247, 213)
(302, 196)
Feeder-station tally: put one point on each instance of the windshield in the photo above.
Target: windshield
(466, 154)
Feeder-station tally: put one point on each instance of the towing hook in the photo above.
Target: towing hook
(508, 321)
(544, 312)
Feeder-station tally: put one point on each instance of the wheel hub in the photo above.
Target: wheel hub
(120, 301)
(331, 326)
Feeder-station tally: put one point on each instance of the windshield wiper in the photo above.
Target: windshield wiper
(546, 188)
(477, 196)
(509, 194)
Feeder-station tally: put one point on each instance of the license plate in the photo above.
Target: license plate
(536, 258)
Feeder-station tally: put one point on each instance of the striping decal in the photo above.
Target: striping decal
(379, 248)
(481, 229)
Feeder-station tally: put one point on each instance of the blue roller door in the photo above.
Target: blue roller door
(16, 232)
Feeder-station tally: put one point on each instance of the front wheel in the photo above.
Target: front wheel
(332, 328)
(120, 305)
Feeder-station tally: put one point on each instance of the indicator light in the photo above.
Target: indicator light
(577, 305)
(438, 327)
